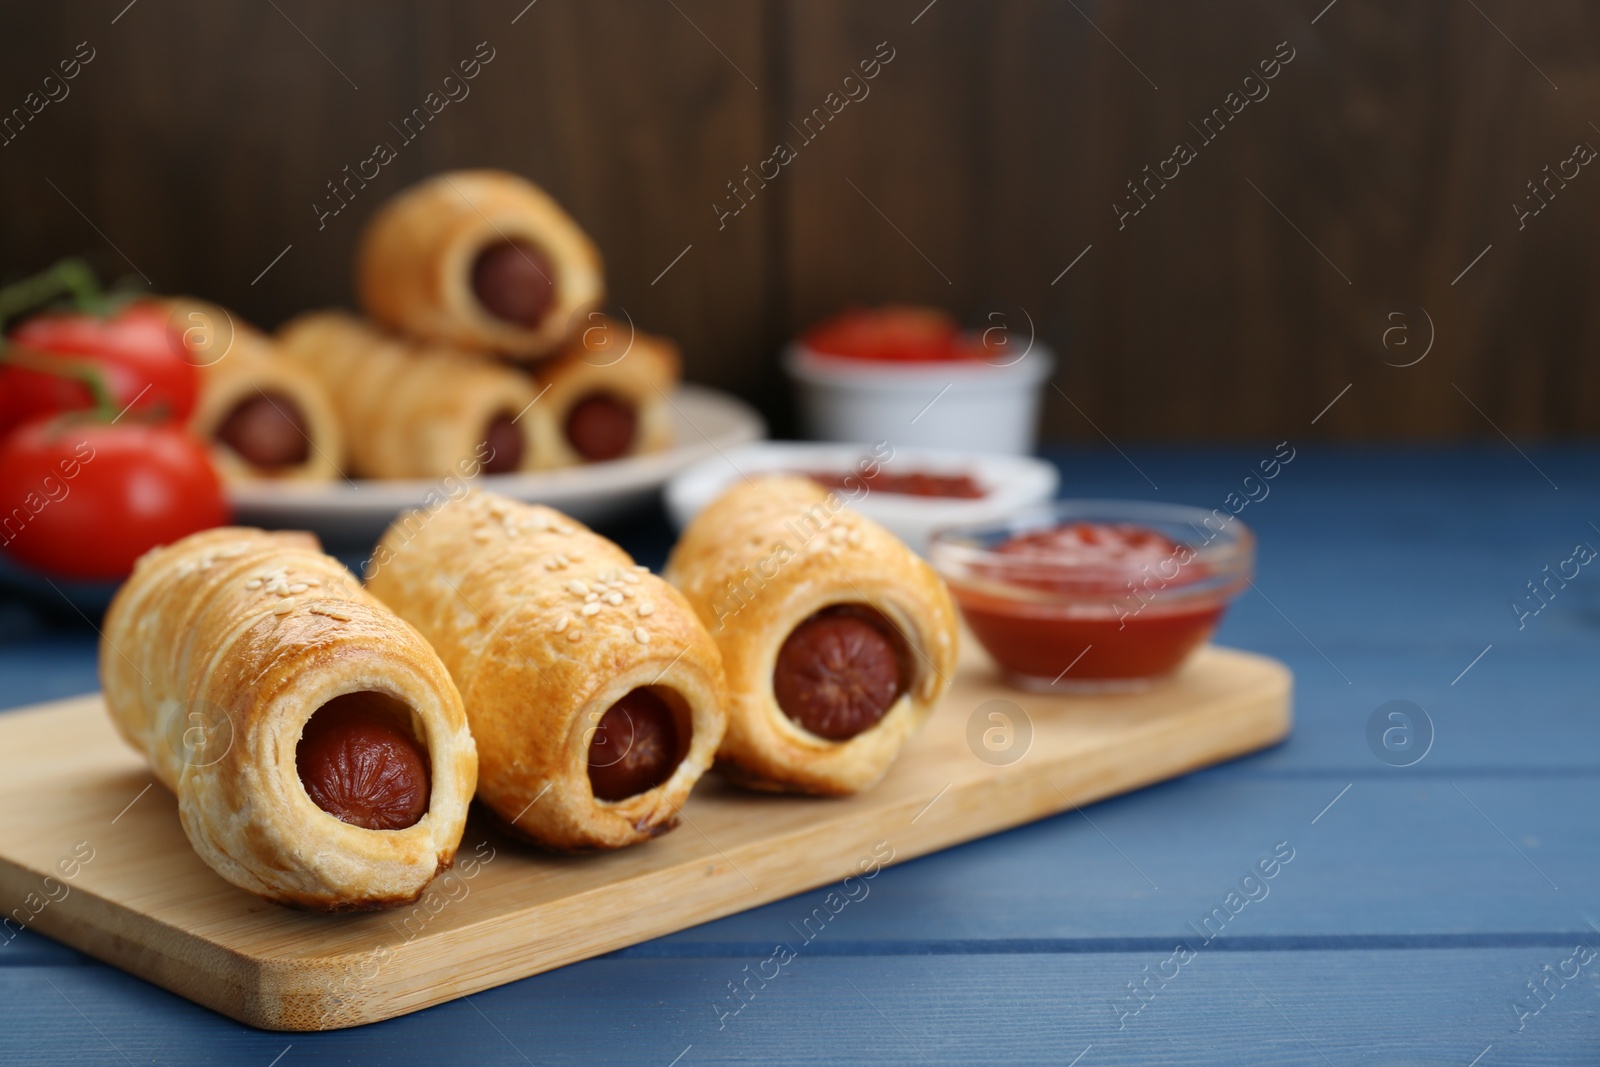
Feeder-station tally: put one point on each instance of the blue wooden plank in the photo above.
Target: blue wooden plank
(1397, 858)
(1239, 1008)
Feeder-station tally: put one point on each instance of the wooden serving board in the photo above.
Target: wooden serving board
(143, 901)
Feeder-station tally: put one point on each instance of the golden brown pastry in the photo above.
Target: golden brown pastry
(606, 395)
(265, 416)
(595, 694)
(317, 747)
(836, 638)
(412, 412)
(480, 259)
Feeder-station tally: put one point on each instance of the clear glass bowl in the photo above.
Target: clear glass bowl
(1095, 595)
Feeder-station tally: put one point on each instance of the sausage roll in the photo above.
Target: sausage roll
(413, 412)
(481, 259)
(596, 696)
(318, 750)
(836, 638)
(605, 395)
(265, 416)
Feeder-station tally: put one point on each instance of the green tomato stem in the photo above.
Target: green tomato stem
(90, 374)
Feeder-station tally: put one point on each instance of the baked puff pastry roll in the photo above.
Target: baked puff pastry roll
(605, 395)
(265, 416)
(836, 638)
(412, 412)
(318, 750)
(482, 259)
(596, 696)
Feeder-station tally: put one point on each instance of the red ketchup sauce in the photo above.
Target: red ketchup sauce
(899, 334)
(911, 483)
(1085, 602)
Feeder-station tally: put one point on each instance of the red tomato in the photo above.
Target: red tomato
(85, 499)
(142, 360)
(894, 334)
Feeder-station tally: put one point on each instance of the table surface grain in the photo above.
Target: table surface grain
(1438, 913)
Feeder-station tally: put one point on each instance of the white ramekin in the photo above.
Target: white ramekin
(964, 406)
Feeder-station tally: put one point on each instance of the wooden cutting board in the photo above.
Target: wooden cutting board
(78, 806)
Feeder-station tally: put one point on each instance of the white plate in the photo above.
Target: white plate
(343, 513)
(1013, 482)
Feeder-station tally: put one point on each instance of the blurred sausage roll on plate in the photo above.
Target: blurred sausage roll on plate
(480, 259)
(266, 417)
(606, 395)
(412, 412)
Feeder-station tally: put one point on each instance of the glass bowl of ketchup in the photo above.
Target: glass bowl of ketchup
(1095, 595)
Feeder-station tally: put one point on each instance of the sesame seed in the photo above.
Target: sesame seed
(562, 625)
(254, 583)
(646, 608)
(614, 598)
(641, 567)
(591, 598)
(577, 587)
(641, 635)
(283, 607)
(299, 587)
(591, 609)
(574, 635)
(631, 579)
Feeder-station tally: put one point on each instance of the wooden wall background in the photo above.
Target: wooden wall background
(987, 156)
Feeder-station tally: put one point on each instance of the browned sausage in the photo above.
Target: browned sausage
(838, 673)
(601, 426)
(635, 748)
(267, 431)
(505, 445)
(362, 770)
(515, 281)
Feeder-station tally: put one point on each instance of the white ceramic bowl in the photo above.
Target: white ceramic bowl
(963, 406)
(1012, 482)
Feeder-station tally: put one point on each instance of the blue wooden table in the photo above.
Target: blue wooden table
(1443, 912)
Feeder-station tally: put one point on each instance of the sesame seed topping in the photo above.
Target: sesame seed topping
(299, 587)
(254, 583)
(591, 609)
(641, 567)
(577, 587)
(562, 625)
(646, 608)
(590, 598)
(631, 579)
(614, 598)
(283, 607)
(641, 635)
(574, 635)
